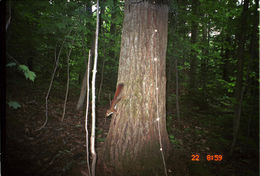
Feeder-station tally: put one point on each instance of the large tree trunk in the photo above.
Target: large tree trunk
(132, 146)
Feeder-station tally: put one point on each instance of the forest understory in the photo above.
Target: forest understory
(59, 148)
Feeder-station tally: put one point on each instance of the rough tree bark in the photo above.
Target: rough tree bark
(132, 146)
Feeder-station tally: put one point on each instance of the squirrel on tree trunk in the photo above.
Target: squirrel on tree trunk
(115, 100)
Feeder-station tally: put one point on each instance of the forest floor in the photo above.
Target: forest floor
(59, 149)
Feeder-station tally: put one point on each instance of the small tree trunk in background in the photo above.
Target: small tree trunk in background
(252, 90)
(204, 65)
(52, 79)
(82, 92)
(239, 77)
(84, 83)
(132, 146)
(101, 81)
(68, 83)
(79, 78)
(177, 91)
(113, 31)
(102, 75)
(88, 7)
(193, 56)
(226, 60)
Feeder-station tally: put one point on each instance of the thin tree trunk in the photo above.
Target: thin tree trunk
(83, 86)
(102, 76)
(84, 80)
(177, 91)
(239, 77)
(86, 119)
(112, 53)
(193, 57)
(52, 78)
(68, 83)
(93, 126)
(82, 91)
(9, 18)
(204, 65)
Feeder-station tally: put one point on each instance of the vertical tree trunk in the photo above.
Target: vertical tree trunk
(84, 82)
(239, 77)
(177, 91)
(112, 53)
(226, 60)
(253, 91)
(82, 92)
(101, 79)
(132, 146)
(204, 64)
(68, 83)
(193, 59)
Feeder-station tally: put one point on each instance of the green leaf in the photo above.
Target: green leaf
(99, 131)
(14, 104)
(27, 73)
(100, 139)
(23, 68)
(171, 137)
(11, 64)
(31, 75)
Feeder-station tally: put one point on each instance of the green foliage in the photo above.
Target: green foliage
(101, 139)
(99, 131)
(27, 73)
(47, 25)
(11, 64)
(14, 104)
(173, 140)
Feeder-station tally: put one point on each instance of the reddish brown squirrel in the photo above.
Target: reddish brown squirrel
(115, 100)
